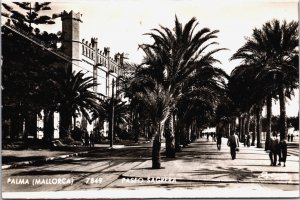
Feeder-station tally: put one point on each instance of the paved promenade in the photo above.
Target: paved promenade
(199, 171)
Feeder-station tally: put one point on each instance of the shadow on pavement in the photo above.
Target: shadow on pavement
(235, 173)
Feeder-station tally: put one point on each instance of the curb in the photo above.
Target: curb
(47, 159)
(44, 160)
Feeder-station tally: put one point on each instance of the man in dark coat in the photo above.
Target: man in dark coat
(233, 142)
(283, 151)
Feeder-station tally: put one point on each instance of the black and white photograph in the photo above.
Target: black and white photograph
(150, 99)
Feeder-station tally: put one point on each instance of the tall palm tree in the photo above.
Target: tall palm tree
(76, 96)
(275, 48)
(247, 93)
(174, 57)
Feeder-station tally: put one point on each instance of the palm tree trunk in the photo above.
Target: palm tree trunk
(170, 138)
(227, 131)
(269, 115)
(65, 124)
(247, 123)
(156, 158)
(247, 127)
(241, 121)
(189, 134)
(282, 117)
(16, 126)
(253, 134)
(177, 135)
(243, 128)
(48, 125)
(258, 126)
(30, 125)
(233, 125)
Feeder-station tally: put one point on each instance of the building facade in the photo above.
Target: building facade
(87, 57)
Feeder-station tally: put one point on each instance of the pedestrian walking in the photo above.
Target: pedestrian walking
(274, 148)
(86, 137)
(248, 139)
(233, 143)
(290, 132)
(271, 141)
(283, 151)
(92, 139)
(277, 149)
(214, 136)
(219, 141)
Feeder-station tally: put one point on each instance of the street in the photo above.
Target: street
(107, 165)
(199, 167)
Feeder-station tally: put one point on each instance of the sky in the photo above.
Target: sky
(121, 24)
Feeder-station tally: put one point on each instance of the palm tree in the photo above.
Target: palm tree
(247, 93)
(275, 49)
(76, 96)
(174, 58)
(156, 102)
(104, 113)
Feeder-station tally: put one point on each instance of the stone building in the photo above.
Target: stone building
(87, 57)
(83, 55)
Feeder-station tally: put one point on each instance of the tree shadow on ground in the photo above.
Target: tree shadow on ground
(64, 172)
(232, 172)
(14, 159)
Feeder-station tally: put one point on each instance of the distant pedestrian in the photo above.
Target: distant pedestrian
(290, 132)
(248, 139)
(92, 139)
(274, 149)
(207, 135)
(219, 141)
(233, 143)
(271, 141)
(86, 137)
(215, 137)
(283, 151)
(277, 148)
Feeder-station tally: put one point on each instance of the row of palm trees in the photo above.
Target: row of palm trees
(177, 91)
(177, 84)
(268, 70)
(182, 92)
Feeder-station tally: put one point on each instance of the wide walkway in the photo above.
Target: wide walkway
(199, 171)
(202, 162)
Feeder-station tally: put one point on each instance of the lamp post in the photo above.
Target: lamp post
(111, 125)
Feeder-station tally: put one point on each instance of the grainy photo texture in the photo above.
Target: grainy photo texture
(150, 99)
